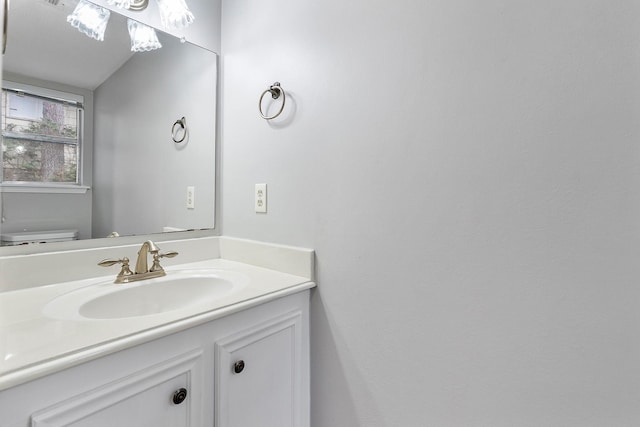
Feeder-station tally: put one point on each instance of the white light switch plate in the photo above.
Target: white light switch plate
(261, 198)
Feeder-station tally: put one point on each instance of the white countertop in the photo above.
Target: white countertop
(33, 344)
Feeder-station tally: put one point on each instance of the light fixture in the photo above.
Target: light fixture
(129, 4)
(143, 37)
(90, 19)
(174, 14)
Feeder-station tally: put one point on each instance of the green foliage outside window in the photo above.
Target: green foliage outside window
(40, 149)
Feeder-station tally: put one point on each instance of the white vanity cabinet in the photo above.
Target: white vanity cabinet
(158, 395)
(259, 375)
(141, 385)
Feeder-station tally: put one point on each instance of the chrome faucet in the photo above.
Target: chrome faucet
(142, 270)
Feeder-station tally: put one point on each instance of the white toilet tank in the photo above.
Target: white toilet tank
(31, 237)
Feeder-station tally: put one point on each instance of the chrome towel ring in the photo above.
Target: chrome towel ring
(275, 90)
(180, 124)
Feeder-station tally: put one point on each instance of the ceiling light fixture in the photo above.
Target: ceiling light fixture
(129, 4)
(143, 37)
(175, 14)
(92, 19)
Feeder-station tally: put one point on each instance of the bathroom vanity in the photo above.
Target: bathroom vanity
(237, 354)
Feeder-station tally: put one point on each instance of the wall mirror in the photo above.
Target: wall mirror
(134, 177)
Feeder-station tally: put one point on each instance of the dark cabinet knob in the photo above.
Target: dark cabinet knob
(238, 366)
(179, 396)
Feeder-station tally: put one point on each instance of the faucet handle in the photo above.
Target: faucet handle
(110, 262)
(169, 254)
(124, 271)
(156, 260)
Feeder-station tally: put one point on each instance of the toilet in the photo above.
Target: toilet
(34, 237)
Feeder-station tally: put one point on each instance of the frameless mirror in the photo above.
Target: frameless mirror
(133, 178)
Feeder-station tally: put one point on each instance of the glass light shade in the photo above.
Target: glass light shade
(175, 14)
(143, 38)
(90, 19)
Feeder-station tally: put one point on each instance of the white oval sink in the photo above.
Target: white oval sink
(177, 290)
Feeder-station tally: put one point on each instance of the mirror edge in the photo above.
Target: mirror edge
(106, 242)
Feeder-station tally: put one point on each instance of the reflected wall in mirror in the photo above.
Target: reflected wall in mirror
(133, 177)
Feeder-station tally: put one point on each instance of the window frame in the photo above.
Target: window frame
(53, 187)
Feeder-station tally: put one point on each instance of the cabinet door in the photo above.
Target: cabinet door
(143, 399)
(258, 376)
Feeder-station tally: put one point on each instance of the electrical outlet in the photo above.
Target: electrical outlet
(191, 197)
(261, 198)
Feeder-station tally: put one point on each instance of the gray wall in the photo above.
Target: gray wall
(140, 174)
(468, 173)
(47, 211)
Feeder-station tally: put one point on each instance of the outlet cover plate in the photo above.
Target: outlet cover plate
(261, 198)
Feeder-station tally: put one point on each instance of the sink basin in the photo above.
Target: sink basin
(159, 297)
(177, 290)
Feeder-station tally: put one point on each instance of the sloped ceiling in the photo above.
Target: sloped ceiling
(41, 44)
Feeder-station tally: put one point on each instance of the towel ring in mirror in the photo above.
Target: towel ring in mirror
(5, 24)
(179, 125)
(275, 90)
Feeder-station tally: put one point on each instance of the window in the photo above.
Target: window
(41, 136)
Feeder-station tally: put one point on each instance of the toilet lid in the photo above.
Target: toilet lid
(39, 236)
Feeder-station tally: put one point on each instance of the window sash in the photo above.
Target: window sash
(76, 142)
(40, 138)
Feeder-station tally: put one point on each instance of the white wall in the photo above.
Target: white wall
(469, 175)
(140, 174)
